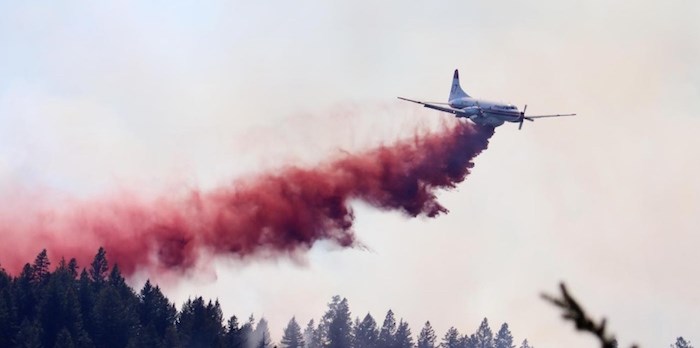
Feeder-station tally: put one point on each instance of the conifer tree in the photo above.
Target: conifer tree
(247, 332)
(366, 333)
(115, 321)
(526, 344)
(427, 337)
(261, 335)
(311, 337)
(340, 326)
(156, 313)
(469, 341)
(403, 338)
(504, 339)
(73, 268)
(59, 308)
(293, 337)
(99, 267)
(117, 281)
(86, 298)
(484, 336)
(40, 268)
(451, 338)
(387, 334)
(325, 322)
(234, 334)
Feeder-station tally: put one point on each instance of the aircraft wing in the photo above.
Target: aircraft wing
(543, 116)
(456, 112)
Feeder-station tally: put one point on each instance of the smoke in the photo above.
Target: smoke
(278, 213)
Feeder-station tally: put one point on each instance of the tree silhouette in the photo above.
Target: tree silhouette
(261, 335)
(99, 267)
(427, 338)
(340, 326)
(387, 333)
(504, 339)
(156, 314)
(40, 268)
(200, 325)
(292, 335)
(366, 333)
(311, 337)
(451, 338)
(403, 338)
(526, 344)
(484, 336)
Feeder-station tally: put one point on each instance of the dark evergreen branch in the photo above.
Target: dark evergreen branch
(574, 312)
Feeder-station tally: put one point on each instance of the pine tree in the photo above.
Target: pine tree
(156, 313)
(526, 344)
(73, 268)
(340, 326)
(234, 334)
(115, 320)
(311, 335)
(504, 339)
(40, 269)
(292, 335)
(681, 343)
(427, 337)
(366, 333)
(117, 281)
(469, 341)
(261, 335)
(247, 332)
(86, 298)
(325, 322)
(484, 336)
(403, 338)
(451, 339)
(200, 325)
(59, 309)
(387, 334)
(99, 267)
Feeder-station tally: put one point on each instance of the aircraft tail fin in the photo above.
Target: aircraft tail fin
(456, 92)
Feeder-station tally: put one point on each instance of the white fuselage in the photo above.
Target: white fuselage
(485, 112)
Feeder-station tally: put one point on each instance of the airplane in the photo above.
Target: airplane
(481, 112)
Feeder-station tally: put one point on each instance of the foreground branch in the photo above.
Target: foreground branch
(574, 312)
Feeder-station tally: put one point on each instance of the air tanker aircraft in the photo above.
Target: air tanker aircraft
(481, 112)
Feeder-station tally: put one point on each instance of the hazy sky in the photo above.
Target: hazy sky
(146, 96)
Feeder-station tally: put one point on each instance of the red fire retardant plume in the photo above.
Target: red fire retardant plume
(282, 212)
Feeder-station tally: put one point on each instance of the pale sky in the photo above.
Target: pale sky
(96, 98)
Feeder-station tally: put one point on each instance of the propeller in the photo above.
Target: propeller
(523, 118)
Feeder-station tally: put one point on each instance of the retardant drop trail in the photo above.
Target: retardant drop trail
(277, 213)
